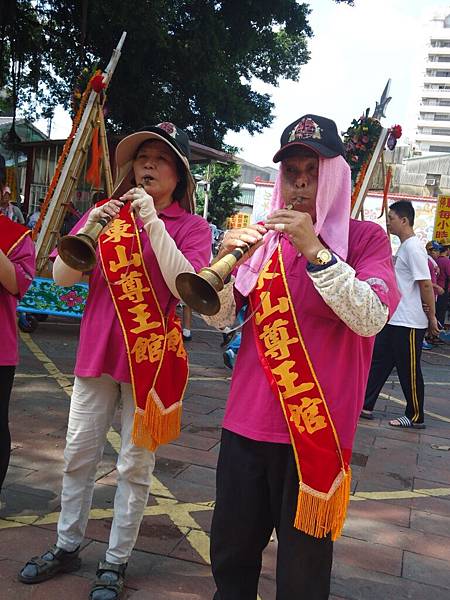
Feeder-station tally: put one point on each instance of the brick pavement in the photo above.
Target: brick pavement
(396, 540)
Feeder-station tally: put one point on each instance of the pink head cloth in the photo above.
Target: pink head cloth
(332, 219)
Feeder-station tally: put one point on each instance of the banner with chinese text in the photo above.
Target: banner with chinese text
(441, 231)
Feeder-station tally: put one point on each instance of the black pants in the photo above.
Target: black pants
(257, 489)
(441, 307)
(6, 381)
(399, 347)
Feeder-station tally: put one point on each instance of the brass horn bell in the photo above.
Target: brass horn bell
(200, 290)
(78, 251)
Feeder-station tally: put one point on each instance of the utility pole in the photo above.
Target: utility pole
(207, 189)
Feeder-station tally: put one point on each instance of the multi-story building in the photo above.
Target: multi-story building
(433, 125)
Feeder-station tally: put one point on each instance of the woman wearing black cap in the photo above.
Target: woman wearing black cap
(131, 348)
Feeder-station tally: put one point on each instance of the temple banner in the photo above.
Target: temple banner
(441, 232)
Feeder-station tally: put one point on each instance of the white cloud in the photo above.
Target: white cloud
(354, 51)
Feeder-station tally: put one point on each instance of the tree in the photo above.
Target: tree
(189, 61)
(224, 192)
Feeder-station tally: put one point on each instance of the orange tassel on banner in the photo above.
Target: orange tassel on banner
(93, 173)
(387, 185)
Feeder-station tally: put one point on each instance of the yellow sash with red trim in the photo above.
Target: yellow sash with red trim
(11, 234)
(324, 476)
(156, 355)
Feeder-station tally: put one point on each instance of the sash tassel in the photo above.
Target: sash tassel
(156, 425)
(156, 356)
(319, 514)
(290, 372)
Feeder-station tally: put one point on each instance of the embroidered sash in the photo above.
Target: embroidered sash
(11, 234)
(324, 475)
(156, 355)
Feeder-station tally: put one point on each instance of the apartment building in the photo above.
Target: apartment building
(433, 125)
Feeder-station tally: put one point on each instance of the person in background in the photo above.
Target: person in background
(186, 321)
(399, 344)
(71, 218)
(433, 249)
(214, 232)
(443, 281)
(33, 218)
(17, 268)
(8, 208)
(319, 286)
(233, 344)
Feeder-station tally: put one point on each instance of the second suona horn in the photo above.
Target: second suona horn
(200, 290)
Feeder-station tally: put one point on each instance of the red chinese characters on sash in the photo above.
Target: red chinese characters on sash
(11, 234)
(156, 355)
(324, 477)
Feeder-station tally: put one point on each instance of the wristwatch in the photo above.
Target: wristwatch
(323, 257)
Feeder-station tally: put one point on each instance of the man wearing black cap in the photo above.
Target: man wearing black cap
(319, 286)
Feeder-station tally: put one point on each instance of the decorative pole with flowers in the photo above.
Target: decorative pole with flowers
(86, 126)
(364, 142)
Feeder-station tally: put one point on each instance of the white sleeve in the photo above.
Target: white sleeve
(351, 299)
(418, 263)
(171, 260)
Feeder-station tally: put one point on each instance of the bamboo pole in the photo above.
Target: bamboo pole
(68, 178)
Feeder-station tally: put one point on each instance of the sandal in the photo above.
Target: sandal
(405, 423)
(54, 561)
(366, 414)
(109, 583)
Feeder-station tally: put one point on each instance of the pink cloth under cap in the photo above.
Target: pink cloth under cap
(333, 204)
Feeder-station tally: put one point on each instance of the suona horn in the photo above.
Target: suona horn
(78, 251)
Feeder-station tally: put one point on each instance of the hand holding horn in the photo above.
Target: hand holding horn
(199, 291)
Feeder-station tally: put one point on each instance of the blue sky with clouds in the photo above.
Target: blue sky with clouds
(354, 51)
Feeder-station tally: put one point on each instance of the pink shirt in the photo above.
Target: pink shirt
(101, 348)
(340, 357)
(23, 259)
(433, 267)
(443, 263)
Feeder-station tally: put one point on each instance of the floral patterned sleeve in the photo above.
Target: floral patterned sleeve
(227, 313)
(354, 301)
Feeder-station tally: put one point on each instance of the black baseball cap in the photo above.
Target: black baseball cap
(317, 133)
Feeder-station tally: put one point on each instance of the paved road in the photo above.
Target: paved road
(396, 542)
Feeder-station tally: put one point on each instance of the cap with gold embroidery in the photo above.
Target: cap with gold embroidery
(317, 133)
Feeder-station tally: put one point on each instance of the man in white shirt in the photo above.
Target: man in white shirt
(399, 343)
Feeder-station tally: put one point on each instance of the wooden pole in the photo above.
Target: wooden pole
(105, 153)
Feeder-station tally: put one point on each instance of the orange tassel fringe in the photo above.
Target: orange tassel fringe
(318, 516)
(154, 427)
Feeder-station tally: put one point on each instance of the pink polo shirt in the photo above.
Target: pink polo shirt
(101, 348)
(23, 259)
(340, 357)
(434, 269)
(443, 263)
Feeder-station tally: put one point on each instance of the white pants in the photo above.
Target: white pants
(94, 402)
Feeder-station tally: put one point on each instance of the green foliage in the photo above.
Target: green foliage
(224, 192)
(187, 61)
